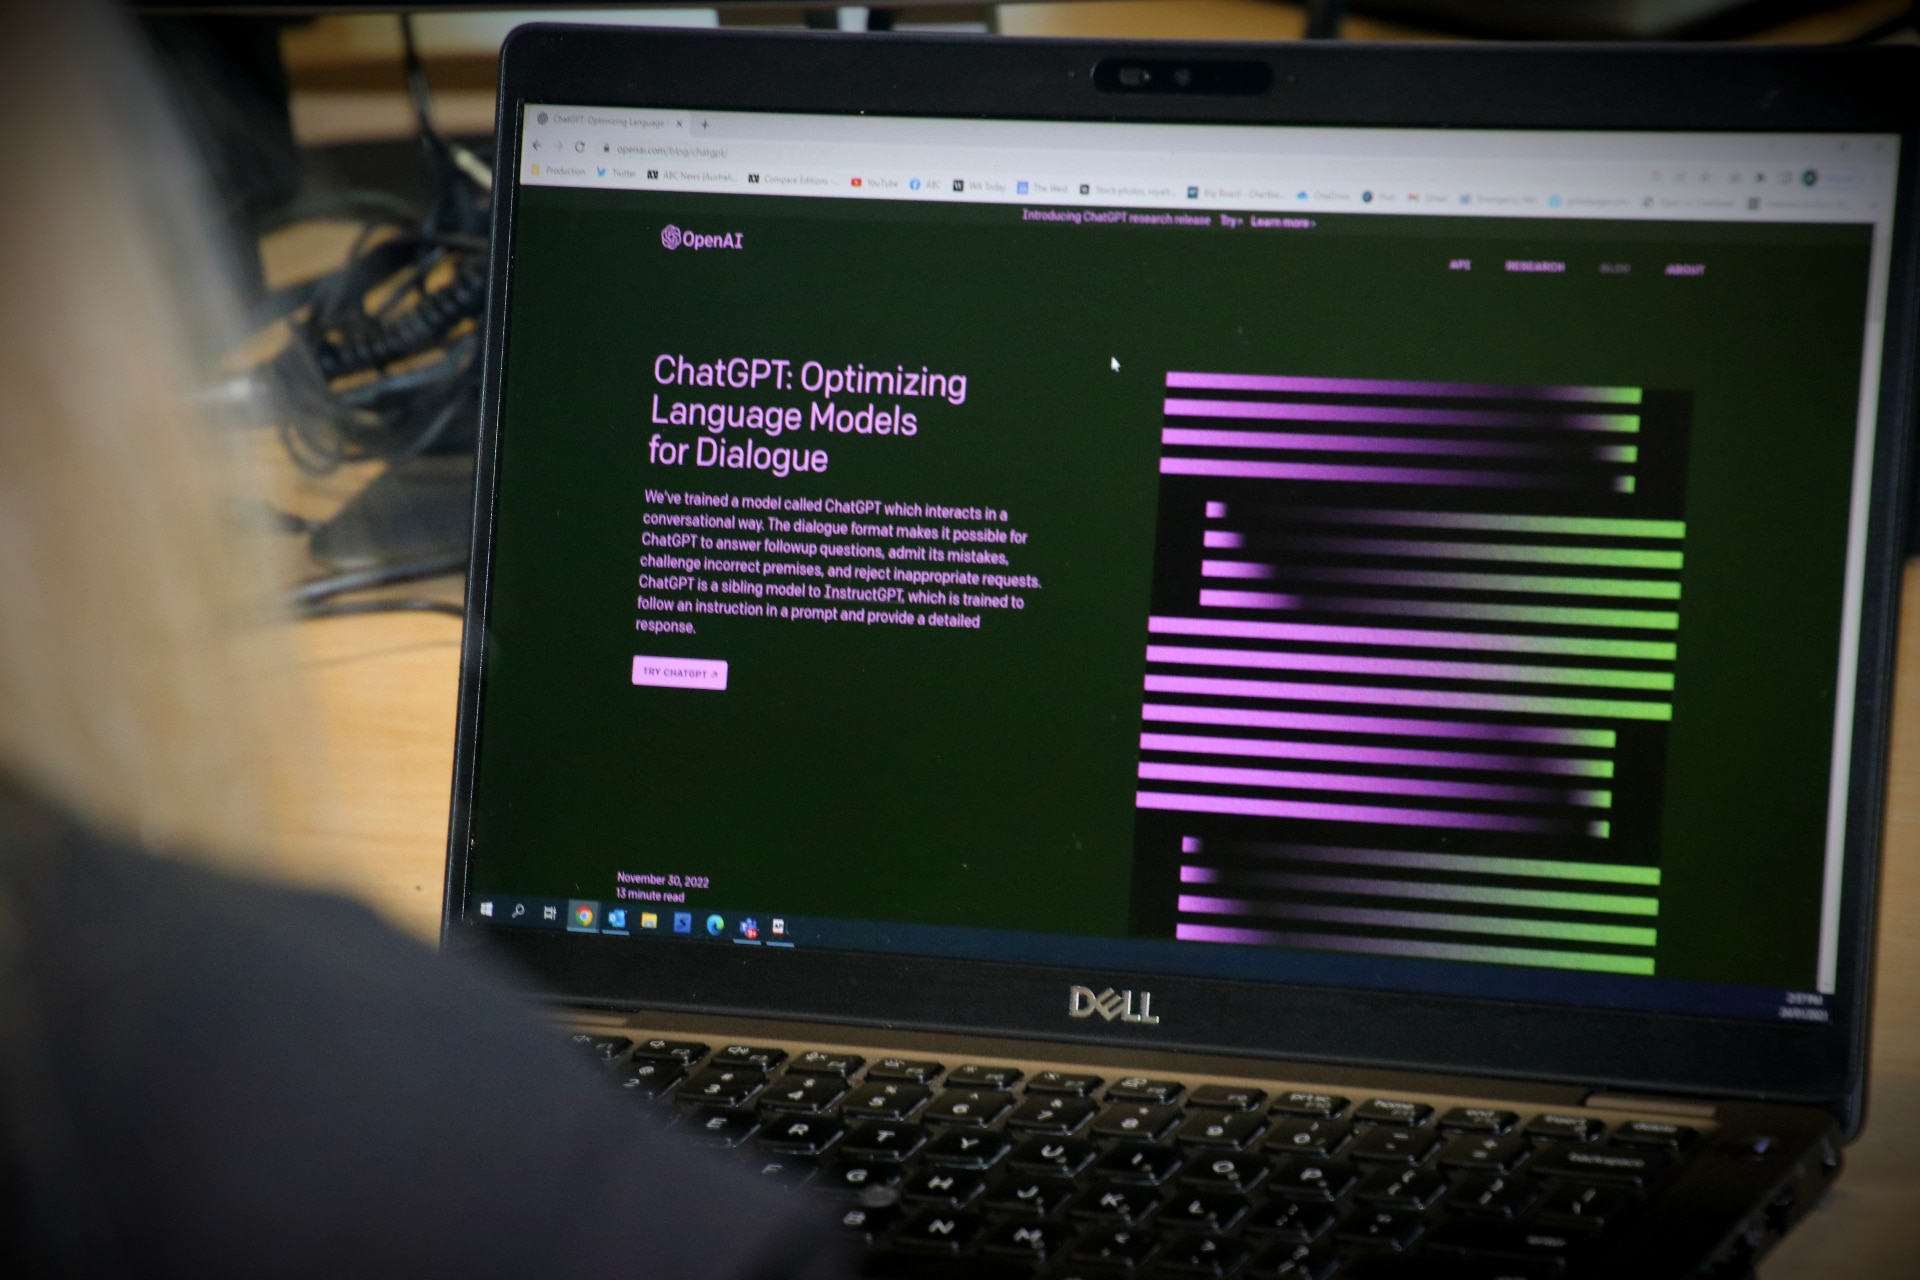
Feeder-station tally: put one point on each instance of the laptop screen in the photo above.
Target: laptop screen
(1408, 560)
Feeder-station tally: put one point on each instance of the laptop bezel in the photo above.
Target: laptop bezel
(1410, 86)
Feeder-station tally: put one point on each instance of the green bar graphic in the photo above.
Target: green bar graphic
(1619, 453)
(1615, 395)
(1580, 526)
(1597, 962)
(1509, 926)
(1551, 614)
(1547, 899)
(1608, 872)
(1610, 557)
(1635, 588)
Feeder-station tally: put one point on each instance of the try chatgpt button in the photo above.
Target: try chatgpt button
(680, 673)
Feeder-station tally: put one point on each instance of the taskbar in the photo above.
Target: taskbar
(1242, 963)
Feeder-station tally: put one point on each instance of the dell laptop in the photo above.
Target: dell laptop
(1200, 660)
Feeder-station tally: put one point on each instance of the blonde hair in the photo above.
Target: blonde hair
(137, 680)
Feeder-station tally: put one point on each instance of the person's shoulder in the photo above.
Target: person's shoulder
(256, 1068)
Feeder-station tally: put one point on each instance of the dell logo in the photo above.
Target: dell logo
(1111, 1004)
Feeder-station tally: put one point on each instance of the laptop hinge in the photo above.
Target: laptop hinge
(1692, 1107)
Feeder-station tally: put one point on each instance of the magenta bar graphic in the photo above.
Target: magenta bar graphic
(1370, 784)
(1520, 546)
(1343, 753)
(1524, 704)
(1289, 440)
(1263, 410)
(1174, 713)
(1551, 615)
(1357, 475)
(1312, 633)
(1599, 962)
(1627, 904)
(1383, 815)
(1417, 668)
(1388, 387)
(1512, 583)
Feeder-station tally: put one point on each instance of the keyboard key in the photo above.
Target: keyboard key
(971, 1108)
(1653, 1133)
(605, 1050)
(1566, 1128)
(721, 1128)
(1295, 1221)
(1485, 1238)
(869, 1222)
(746, 1055)
(1382, 1228)
(1141, 1089)
(1026, 1194)
(1115, 1248)
(810, 1094)
(1225, 1171)
(1583, 1206)
(883, 1140)
(965, 1149)
(1136, 1121)
(1479, 1120)
(1228, 1132)
(1111, 1202)
(1074, 1084)
(885, 1101)
(1472, 1151)
(1189, 1255)
(722, 1086)
(1149, 1166)
(802, 1135)
(1295, 1262)
(938, 1231)
(1615, 1166)
(1062, 1157)
(684, 1052)
(1392, 1111)
(1315, 1106)
(945, 1188)
(1502, 1195)
(1313, 1179)
(786, 1171)
(819, 1063)
(1308, 1137)
(1052, 1115)
(1030, 1241)
(972, 1076)
(1402, 1188)
(905, 1070)
(1214, 1212)
(1392, 1146)
(868, 1179)
(1227, 1097)
(650, 1079)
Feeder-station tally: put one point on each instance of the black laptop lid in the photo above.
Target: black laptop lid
(1357, 554)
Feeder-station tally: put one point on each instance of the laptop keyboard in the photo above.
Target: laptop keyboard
(1063, 1174)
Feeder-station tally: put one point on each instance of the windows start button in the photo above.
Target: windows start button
(680, 673)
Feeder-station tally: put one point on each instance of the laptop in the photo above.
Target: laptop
(1200, 660)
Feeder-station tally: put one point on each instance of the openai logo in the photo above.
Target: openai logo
(670, 236)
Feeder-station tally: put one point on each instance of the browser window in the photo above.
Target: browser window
(1385, 558)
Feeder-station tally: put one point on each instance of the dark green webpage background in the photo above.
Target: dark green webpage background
(985, 778)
